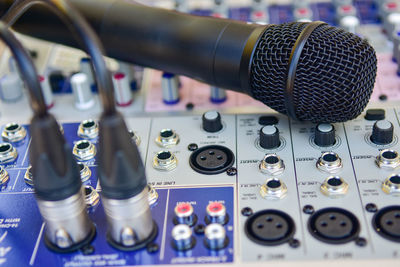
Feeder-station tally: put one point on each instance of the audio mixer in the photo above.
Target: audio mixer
(230, 182)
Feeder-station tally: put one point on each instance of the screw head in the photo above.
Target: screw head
(383, 97)
(189, 106)
(308, 209)
(193, 147)
(199, 229)
(247, 211)
(231, 171)
(152, 248)
(361, 242)
(371, 207)
(294, 243)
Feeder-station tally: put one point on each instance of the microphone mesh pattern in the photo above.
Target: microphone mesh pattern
(335, 75)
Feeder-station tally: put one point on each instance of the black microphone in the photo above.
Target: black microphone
(309, 71)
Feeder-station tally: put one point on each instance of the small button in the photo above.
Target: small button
(57, 81)
(375, 114)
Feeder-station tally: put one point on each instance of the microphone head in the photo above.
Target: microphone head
(334, 78)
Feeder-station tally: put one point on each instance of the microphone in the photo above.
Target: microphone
(309, 71)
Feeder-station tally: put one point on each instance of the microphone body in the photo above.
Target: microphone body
(208, 49)
(308, 71)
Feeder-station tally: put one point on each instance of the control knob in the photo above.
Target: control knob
(382, 132)
(269, 137)
(324, 135)
(212, 121)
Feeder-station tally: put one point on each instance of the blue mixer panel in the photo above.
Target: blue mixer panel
(22, 229)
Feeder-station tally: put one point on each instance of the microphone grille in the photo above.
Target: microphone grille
(335, 74)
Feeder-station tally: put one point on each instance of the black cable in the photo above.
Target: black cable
(83, 33)
(27, 69)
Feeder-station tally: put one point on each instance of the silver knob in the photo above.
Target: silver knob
(170, 88)
(47, 93)
(81, 89)
(10, 87)
(86, 68)
(122, 90)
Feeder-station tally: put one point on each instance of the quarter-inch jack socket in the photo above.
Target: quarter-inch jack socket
(84, 150)
(329, 162)
(167, 138)
(4, 177)
(8, 153)
(13, 132)
(388, 159)
(88, 129)
(165, 161)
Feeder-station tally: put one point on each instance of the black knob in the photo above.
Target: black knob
(57, 81)
(324, 135)
(269, 137)
(212, 121)
(382, 132)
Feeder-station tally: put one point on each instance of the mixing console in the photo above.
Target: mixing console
(229, 180)
(328, 190)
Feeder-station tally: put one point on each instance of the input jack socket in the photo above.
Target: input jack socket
(88, 129)
(28, 176)
(13, 132)
(388, 159)
(4, 177)
(167, 138)
(153, 195)
(92, 197)
(392, 185)
(135, 137)
(165, 161)
(84, 150)
(8, 153)
(85, 172)
(329, 162)
(273, 189)
(272, 165)
(334, 186)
